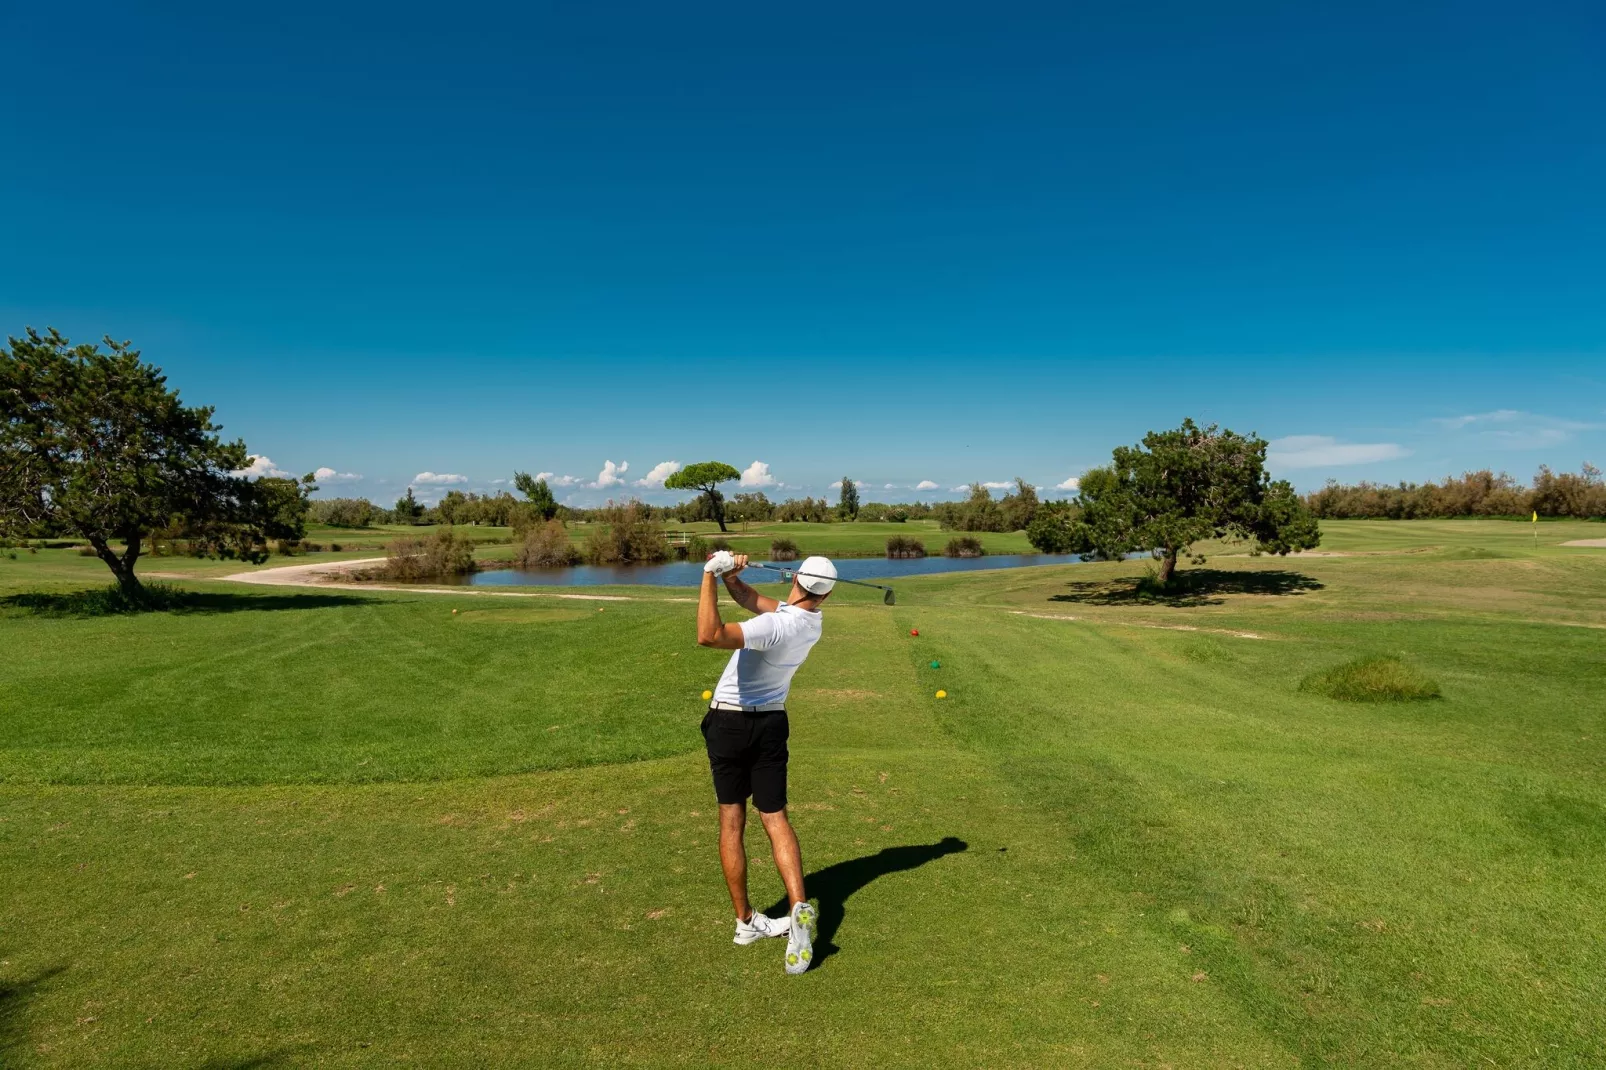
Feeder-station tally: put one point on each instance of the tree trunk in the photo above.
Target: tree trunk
(1168, 566)
(719, 513)
(119, 567)
(122, 567)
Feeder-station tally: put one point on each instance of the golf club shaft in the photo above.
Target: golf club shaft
(795, 572)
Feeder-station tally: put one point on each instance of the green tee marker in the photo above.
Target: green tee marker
(936, 665)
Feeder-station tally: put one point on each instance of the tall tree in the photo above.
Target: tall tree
(538, 494)
(706, 476)
(847, 506)
(1184, 486)
(453, 508)
(408, 510)
(1019, 508)
(94, 444)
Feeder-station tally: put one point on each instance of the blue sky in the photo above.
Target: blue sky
(907, 243)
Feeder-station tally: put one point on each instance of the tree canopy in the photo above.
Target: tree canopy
(408, 509)
(94, 444)
(706, 476)
(847, 506)
(1180, 487)
(538, 493)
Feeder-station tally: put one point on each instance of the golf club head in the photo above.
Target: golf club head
(889, 599)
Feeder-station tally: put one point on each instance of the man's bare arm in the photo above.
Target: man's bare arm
(745, 596)
(711, 631)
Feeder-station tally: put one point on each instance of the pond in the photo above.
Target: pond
(690, 573)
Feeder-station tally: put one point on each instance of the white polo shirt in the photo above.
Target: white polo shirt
(773, 646)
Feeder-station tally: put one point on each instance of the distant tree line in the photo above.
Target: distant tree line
(1553, 494)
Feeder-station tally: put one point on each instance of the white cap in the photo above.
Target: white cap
(816, 575)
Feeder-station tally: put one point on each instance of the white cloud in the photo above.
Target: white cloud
(757, 474)
(439, 479)
(560, 481)
(1455, 423)
(958, 489)
(329, 475)
(542, 475)
(260, 466)
(1323, 451)
(888, 486)
(925, 484)
(660, 472)
(1070, 484)
(998, 486)
(496, 482)
(1517, 430)
(611, 474)
(861, 484)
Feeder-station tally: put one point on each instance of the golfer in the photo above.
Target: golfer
(746, 732)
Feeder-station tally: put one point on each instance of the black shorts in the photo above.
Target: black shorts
(747, 753)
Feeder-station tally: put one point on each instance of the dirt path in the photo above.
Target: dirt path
(1587, 542)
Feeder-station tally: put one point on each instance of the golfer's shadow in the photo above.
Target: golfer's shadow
(831, 886)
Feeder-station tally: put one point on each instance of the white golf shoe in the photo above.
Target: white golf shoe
(758, 927)
(800, 940)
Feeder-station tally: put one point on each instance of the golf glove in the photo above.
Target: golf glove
(720, 562)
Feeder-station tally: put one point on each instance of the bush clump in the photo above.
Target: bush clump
(783, 550)
(626, 535)
(436, 557)
(906, 546)
(1373, 679)
(698, 548)
(964, 546)
(546, 546)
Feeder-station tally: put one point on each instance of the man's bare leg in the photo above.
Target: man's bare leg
(788, 856)
(733, 854)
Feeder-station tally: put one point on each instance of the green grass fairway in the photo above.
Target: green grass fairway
(288, 827)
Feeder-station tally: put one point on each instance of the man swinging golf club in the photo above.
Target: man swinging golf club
(746, 732)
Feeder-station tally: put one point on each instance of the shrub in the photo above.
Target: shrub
(86, 551)
(906, 546)
(626, 535)
(783, 550)
(435, 557)
(1373, 679)
(965, 546)
(977, 513)
(342, 512)
(546, 545)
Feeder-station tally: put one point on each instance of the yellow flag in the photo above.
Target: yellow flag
(1536, 516)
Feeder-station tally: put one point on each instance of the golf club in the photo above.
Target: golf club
(788, 573)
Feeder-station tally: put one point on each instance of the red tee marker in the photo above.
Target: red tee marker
(914, 631)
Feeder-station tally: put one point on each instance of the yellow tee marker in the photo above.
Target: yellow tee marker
(942, 694)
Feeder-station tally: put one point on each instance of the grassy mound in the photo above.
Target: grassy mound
(1374, 679)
